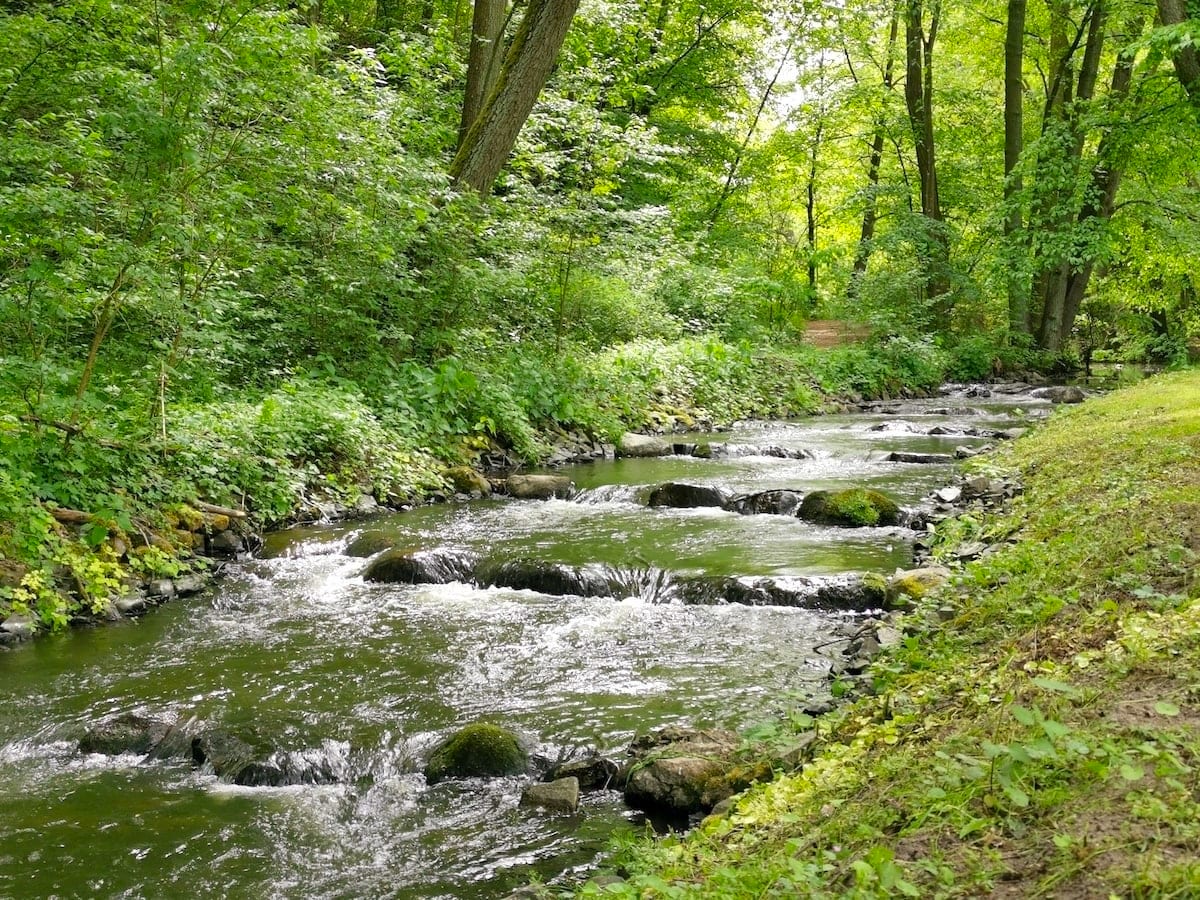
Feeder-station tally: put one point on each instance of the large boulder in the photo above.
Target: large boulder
(538, 487)
(639, 445)
(856, 507)
(560, 795)
(776, 503)
(1061, 393)
(480, 750)
(905, 456)
(685, 770)
(369, 543)
(466, 480)
(424, 567)
(679, 495)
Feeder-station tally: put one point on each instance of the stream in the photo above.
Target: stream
(295, 647)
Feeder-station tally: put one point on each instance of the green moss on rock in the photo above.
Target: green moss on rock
(855, 507)
(478, 750)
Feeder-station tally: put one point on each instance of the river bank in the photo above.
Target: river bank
(100, 522)
(1041, 737)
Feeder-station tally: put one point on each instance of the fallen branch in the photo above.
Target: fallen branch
(219, 510)
(71, 516)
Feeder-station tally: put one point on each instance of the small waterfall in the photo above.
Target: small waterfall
(610, 493)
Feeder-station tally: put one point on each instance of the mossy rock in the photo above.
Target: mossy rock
(856, 507)
(480, 750)
(466, 480)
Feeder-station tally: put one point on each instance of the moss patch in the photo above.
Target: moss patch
(856, 507)
(480, 750)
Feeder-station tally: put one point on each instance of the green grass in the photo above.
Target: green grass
(1046, 740)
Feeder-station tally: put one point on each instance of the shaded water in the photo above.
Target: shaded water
(296, 650)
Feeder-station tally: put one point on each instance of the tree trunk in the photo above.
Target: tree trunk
(1014, 143)
(918, 97)
(527, 65)
(1055, 282)
(487, 25)
(870, 212)
(1186, 59)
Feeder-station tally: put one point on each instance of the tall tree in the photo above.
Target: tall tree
(870, 212)
(483, 60)
(918, 97)
(1014, 143)
(527, 65)
(1185, 56)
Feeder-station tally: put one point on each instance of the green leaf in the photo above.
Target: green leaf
(1022, 714)
(1058, 687)
(1166, 708)
(1131, 772)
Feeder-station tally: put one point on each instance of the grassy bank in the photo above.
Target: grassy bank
(137, 474)
(1043, 742)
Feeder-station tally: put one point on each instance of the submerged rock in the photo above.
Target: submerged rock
(425, 567)
(679, 495)
(369, 543)
(556, 579)
(539, 487)
(480, 750)
(593, 773)
(134, 733)
(225, 753)
(776, 503)
(560, 795)
(855, 507)
(903, 456)
(641, 445)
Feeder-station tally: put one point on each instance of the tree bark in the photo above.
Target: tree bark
(1055, 282)
(918, 97)
(487, 25)
(1014, 143)
(527, 65)
(870, 212)
(1186, 59)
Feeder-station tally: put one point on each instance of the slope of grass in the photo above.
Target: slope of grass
(1043, 742)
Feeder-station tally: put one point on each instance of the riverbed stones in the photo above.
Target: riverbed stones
(679, 495)
(1060, 393)
(593, 773)
(775, 503)
(225, 753)
(369, 543)
(914, 584)
(17, 626)
(684, 770)
(856, 507)
(539, 487)
(635, 445)
(903, 456)
(560, 795)
(480, 750)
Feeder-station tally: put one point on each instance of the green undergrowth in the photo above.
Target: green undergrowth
(1045, 741)
(127, 460)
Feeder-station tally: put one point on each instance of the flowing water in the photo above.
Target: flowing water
(295, 650)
